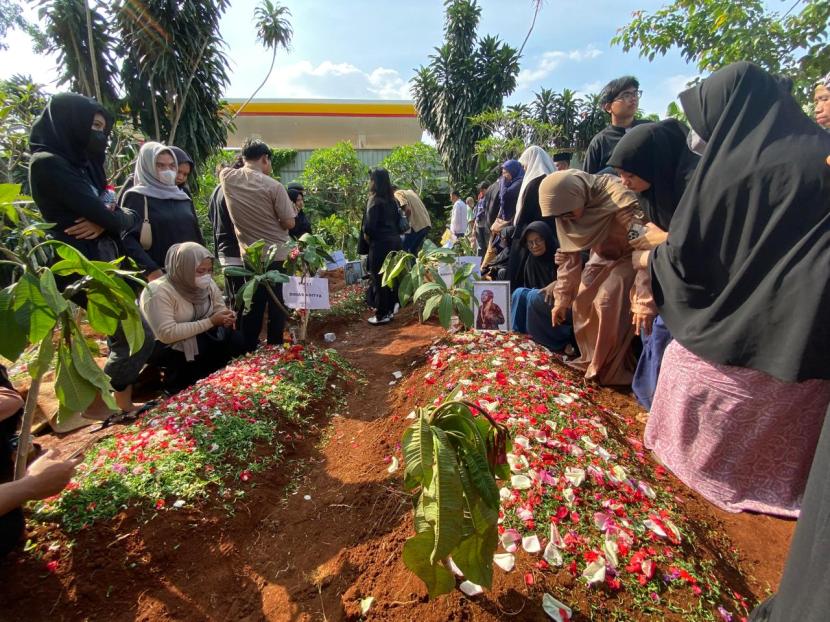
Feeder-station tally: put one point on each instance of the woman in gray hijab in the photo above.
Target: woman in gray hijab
(165, 212)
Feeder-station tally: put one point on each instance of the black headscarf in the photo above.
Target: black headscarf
(64, 128)
(182, 157)
(539, 271)
(742, 279)
(657, 153)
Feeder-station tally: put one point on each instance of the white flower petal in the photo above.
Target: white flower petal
(594, 572)
(552, 554)
(559, 612)
(470, 588)
(575, 476)
(505, 561)
(520, 482)
(531, 544)
(393, 465)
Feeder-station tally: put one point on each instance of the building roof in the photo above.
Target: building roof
(315, 123)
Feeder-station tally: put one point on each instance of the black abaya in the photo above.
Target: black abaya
(742, 279)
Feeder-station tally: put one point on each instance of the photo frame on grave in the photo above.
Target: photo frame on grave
(493, 309)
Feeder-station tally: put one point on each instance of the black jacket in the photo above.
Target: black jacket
(602, 146)
(225, 243)
(63, 193)
(170, 221)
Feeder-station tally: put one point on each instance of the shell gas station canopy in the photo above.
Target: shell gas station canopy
(312, 124)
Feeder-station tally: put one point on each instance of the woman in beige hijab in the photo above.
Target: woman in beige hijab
(186, 311)
(594, 213)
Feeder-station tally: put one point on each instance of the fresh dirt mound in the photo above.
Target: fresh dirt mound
(280, 556)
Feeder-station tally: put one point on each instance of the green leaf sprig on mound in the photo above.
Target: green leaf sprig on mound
(452, 459)
(418, 280)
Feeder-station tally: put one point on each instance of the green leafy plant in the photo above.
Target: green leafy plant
(336, 181)
(340, 234)
(33, 311)
(452, 459)
(416, 167)
(419, 280)
(305, 257)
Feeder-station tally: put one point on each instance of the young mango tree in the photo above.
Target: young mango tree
(305, 257)
(420, 280)
(453, 458)
(35, 312)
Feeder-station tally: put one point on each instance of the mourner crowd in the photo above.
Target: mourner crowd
(688, 261)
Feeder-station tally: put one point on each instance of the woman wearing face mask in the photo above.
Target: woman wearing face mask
(166, 213)
(189, 319)
(66, 173)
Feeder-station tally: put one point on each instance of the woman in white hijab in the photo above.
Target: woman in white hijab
(185, 309)
(537, 165)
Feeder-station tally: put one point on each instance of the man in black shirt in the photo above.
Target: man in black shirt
(225, 244)
(620, 98)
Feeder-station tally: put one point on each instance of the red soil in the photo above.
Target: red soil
(282, 557)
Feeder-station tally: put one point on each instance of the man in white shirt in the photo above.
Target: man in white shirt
(458, 221)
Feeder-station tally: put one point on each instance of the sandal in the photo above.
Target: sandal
(125, 416)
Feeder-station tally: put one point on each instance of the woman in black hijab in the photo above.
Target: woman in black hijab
(66, 173)
(68, 143)
(742, 285)
(653, 160)
(529, 302)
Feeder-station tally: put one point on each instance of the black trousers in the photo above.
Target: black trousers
(378, 250)
(216, 349)
(252, 321)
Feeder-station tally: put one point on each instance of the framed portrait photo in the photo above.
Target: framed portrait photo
(493, 310)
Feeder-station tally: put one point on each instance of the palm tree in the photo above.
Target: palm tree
(273, 30)
(567, 115)
(592, 119)
(544, 105)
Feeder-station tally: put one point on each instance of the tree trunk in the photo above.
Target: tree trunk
(155, 110)
(91, 45)
(82, 79)
(25, 438)
(268, 75)
(183, 96)
(532, 25)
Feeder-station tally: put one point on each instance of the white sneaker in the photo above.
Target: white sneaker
(374, 321)
(396, 308)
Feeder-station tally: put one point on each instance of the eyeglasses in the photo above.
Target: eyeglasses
(534, 243)
(628, 95)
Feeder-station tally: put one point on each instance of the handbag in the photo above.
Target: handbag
(403, 223)
(146, 236)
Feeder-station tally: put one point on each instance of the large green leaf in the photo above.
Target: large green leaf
(13, 338)
(425, 289)
(74, 393)
(418, 454)
(134, 331)
(31, 309)
(88, 369)
(246, 294)
(102, 313)
(445, 310)
(465, 313)
(50, 292)
(405, 289)
(446, 491)
(417, 552)
(431, 305)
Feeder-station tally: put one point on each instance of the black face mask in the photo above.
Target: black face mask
(97, 145)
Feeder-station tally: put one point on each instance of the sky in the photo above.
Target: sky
(370, 49)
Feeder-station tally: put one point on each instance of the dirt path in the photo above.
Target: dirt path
(318, 533)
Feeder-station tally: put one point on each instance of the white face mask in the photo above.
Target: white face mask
(204, 281)
(695, 142)
(167, 177)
